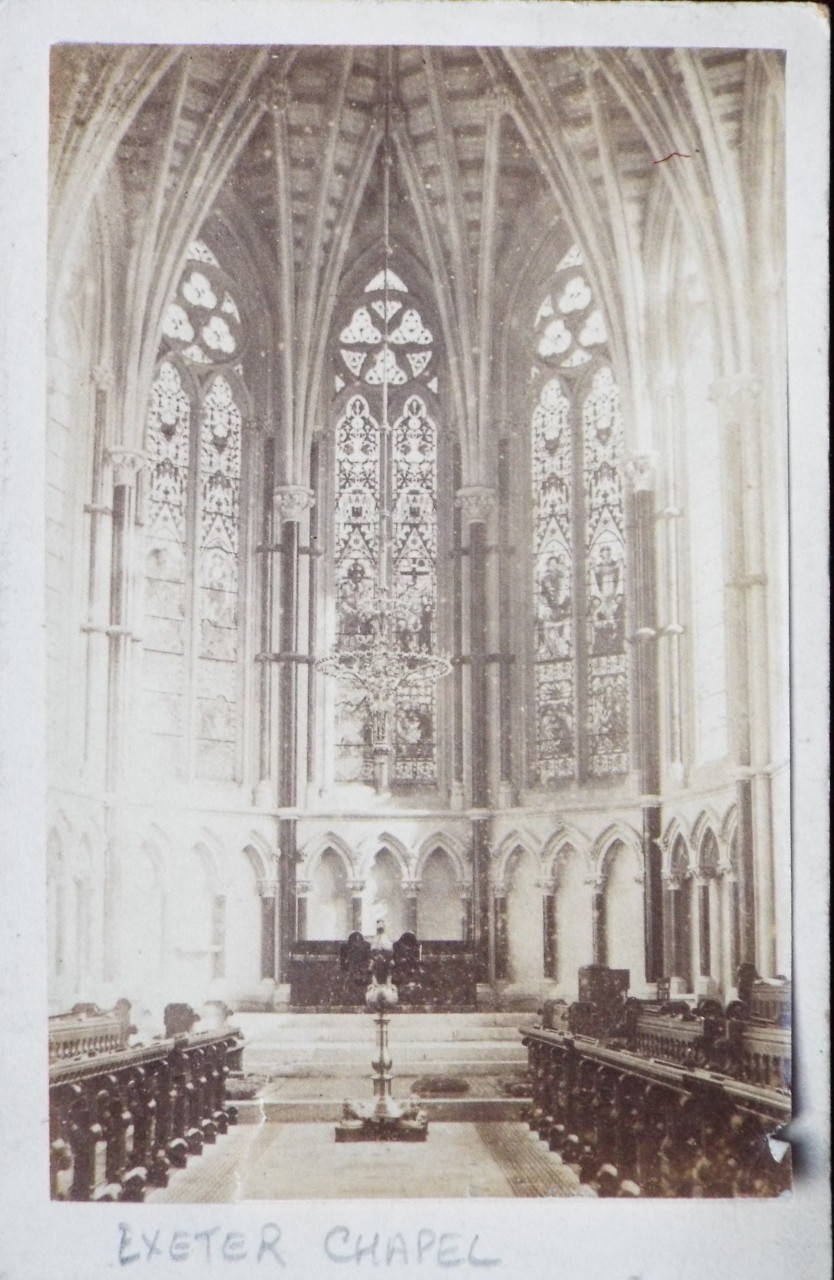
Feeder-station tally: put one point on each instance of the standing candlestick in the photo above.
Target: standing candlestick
(383, 1119)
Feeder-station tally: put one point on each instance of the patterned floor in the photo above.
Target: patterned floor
(303, 1162)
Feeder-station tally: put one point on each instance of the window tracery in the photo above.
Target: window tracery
(194, 431)
(579, 560)
(386, 349)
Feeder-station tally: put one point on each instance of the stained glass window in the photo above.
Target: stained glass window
(553, 609)
(385, 352)
(579, 553)
(602, 438)
(357, 567)
(192, 532)
(167, 440)
(217, 550)
(414, 540)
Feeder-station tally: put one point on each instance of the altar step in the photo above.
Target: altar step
(339, 1044)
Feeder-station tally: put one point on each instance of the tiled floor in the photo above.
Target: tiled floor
(272, 1161)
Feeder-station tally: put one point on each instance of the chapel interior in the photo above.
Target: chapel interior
(416, 552)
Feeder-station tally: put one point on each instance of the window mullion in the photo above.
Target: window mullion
(192, 577)
(580, 589)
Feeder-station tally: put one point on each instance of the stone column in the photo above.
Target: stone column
(670, 926)
(465, 914)
(549, 930)
(705, 926)
(302, 892)
(292, 504)
(598, 939)
(738, 401)
(669, 516)
(100, 511)
(268, 549)
(126, 464)
(477, 504)
(641, 470)
(356, 889)
(268, 891)
(411, 889)
(499, 948)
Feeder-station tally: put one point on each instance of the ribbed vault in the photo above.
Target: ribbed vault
(491, 145)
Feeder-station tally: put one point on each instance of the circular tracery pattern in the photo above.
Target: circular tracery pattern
(203, 320)
(578, 539)
(386, 340)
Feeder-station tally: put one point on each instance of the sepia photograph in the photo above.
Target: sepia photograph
(409, 652)
(417, 559)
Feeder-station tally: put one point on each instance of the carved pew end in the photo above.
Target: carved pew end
(209, 1130)
(222, 1121)
(557, 1137)
(108, 1192)
(134, 1183)
(158, 1170)
(178, 1153)
(194, 1141)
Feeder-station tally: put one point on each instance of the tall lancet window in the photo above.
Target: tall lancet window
(386, 443)
(580, 683)
(194, 439)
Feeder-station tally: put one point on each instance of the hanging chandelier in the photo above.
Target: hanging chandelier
(377, 657)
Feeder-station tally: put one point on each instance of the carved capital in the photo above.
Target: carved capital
(596, 883)
(267, 886)
(302, 888)
(292, 501)
(126, 464)
(411, 888)
(477, 502)
(641, 470)
(355, 887)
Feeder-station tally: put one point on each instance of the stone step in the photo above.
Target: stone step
(263, 1057)
(450, 1110)
(276, 1028)
(331, 1045)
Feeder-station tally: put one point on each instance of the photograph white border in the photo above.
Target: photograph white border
(535, 1239)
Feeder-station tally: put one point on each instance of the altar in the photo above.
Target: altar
(439, 974)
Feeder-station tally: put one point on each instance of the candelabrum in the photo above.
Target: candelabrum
(382, 1119)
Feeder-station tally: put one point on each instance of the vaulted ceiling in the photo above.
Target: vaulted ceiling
(492, 147)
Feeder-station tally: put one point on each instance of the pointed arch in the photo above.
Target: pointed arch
(209, 848)
(452, 848)
(614, 834)
(729, 826)
(518, 839)
(675, 832)
(157, 845)
(706, 826)
(567, 841)
(371, 845)
(314, 849)
(261, 857)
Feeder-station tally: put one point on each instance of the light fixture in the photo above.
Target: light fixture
(376, 660)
